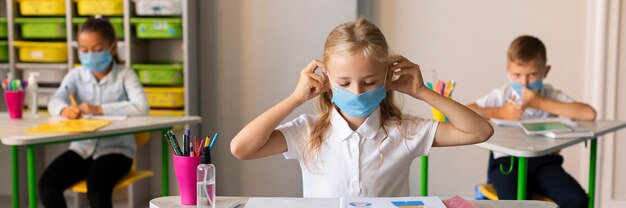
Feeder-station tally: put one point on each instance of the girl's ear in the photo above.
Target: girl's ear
(114, 48)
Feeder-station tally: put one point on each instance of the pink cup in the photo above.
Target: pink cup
(185, 168)
(15, 103)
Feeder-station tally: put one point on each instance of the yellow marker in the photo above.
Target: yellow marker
(206, 142)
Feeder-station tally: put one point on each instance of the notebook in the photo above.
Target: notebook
(346, 202)
(69, 126)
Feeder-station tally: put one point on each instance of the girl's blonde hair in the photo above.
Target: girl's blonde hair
(360, 36)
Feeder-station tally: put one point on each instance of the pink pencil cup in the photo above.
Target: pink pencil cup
(185, 168)
(15, 103)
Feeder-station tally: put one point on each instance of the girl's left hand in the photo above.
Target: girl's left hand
(86, 108)
(410, 79)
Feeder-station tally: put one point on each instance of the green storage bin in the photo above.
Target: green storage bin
(117, 22)
(42, 28)
(158, 28)
(4, 51)
(3, 28)
(159, 74)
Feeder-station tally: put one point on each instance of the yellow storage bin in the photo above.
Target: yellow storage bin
(160, 112)
(163, 97)
(42, 7)
(41, 51)
(100, 7)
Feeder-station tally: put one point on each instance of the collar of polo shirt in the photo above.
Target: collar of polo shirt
(342, 131)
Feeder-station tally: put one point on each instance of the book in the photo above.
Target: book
(346, 202)
(69, 126)
(392, 202)
(577, 132)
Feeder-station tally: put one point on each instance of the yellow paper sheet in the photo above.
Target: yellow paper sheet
(69, 126)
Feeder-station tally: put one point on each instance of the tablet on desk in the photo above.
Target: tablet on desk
(544, 127)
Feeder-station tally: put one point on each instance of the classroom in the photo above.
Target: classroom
(270, 103)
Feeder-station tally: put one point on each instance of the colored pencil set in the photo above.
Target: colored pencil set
(442, 87)
(191, 147)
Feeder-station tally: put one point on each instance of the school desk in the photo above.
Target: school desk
(513, 141)
(13, 134)
(174, 202)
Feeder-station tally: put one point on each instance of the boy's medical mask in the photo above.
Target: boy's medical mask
(96, 61)
(361, 105)
(534, 86)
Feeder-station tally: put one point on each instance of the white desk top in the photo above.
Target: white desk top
(513, 140)
(174, 202)
(13, 131)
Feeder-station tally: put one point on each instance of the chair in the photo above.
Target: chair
(132, 177)
(487, 192)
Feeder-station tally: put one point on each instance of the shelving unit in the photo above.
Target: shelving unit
(182, 51)
(179, 51)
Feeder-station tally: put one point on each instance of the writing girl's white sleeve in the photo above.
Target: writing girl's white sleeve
(296, 136)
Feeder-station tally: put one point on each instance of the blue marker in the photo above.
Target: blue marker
(213, 141)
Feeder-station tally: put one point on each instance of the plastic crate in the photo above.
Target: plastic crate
(160, 74)
(42, 28)
(158, 28)
(162, 97)
(41, 51)
(3, 28)
(100, 7)
(4, 51)
(42, 7)
(116, 22)
(46, 75)
(43, 95)
(158, 7)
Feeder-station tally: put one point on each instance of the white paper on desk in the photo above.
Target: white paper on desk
(284, 202)
(392, 202)
(227, 203)
(111, 118)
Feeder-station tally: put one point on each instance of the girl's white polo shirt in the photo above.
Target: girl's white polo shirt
(364, 162)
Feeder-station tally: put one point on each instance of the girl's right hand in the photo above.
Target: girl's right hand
(71, 112)
(310, 84)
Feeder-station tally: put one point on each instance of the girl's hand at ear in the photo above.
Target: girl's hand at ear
(410, 79)
(310, 84)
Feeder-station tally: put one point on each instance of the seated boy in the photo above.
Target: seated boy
(525, 97)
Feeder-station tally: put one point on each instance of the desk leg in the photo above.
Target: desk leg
(32, 180)
(165, 174)
(592, 172)
(522, 172)
(16, 179)
(424, 177)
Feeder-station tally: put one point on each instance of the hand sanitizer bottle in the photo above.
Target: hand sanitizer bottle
(31, 94)
(206, 180)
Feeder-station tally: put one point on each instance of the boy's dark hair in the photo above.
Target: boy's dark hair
(103, 27)
(527, 49)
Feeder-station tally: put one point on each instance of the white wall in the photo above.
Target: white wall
(252, 52)
(467, 41)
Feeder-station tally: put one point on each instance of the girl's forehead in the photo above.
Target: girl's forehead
(90, 38)
(357, 64)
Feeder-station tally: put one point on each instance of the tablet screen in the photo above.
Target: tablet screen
(546, 127)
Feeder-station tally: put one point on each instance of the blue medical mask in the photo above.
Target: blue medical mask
(96, 61)
(361, 105)
(534, 86)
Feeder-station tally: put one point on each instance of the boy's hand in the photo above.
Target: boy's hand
(511, 111)
(86, 108)
(310, 84)
(530, 97)
(71, 112)
(410, 79)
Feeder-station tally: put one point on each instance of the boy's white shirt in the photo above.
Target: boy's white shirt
(498, 97)
(350, 161)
